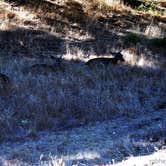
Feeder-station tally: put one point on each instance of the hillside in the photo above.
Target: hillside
(55, 107)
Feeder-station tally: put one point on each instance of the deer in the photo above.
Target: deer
(117, 59)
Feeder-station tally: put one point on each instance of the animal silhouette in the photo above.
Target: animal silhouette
(117, 59)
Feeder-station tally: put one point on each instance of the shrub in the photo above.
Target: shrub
(131, 38)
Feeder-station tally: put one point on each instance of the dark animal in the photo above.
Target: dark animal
(118, 58)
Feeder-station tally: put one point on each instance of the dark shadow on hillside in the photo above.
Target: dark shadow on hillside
(20, 42)
(39, 44)
(154, 44)
(30, 43)
(128, 138)
(71, 17)
(81, 108)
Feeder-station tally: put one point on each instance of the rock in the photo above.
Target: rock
(5, 85)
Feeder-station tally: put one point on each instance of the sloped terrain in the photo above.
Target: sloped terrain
(53, 105)
(102, 143)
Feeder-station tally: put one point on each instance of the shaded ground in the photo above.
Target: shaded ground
(98, 143)
(88, 28)
(119, 111)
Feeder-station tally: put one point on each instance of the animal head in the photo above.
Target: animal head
(118, 56)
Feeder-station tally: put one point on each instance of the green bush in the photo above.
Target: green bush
(147, 6)
(131, 38)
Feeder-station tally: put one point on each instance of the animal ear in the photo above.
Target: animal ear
(121, 51)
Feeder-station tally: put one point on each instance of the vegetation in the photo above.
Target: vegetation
(46, 84)
(132, 38)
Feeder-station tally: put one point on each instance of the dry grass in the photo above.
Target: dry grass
(78, 94)
(74, 94)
